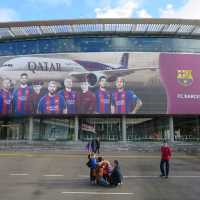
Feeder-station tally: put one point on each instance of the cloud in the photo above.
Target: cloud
(143, 14)
(124, 9)
(7, 14)
(190, 10)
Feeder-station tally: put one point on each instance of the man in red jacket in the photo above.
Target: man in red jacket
(165, 157)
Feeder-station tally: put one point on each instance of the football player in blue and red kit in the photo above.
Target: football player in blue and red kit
(5, 98)
(22, 103)
(69, 95)
(52, 103)
(103, 97)
(124, 101)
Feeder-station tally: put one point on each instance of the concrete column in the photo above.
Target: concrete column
(30, 130)
(76, 128)
(197, 124)
(171, 129)
(124, 128)
(17, 132)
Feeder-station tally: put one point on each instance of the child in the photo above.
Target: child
(92, 165)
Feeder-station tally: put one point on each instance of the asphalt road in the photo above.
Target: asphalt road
(64, 175)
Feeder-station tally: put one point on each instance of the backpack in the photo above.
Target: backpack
(89, 164)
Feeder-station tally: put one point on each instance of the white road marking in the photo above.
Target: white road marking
(53, 175)
(84, 176)
(159, 176)
(141, 176)
(99, 193)
(17, 174)
(185, 176)
(198, 176)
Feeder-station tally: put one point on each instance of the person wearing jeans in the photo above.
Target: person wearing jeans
(165, 157)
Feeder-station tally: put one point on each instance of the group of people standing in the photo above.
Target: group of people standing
(28, 99)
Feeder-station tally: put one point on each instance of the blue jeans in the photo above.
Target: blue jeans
(164, 167)
(103, 182)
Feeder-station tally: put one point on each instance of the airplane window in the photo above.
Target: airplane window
(7, 65)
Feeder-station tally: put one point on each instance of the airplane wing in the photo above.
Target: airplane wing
(111, 75)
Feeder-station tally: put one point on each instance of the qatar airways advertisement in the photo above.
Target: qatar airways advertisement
(99, 83)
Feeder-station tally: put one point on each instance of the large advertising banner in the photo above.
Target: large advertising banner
(89, 83)
(180, 74)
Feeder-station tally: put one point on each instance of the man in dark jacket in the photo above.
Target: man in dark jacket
(93, 146)
(116, 175)
(97, 145)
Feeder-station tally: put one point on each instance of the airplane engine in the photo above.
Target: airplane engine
(93, 79)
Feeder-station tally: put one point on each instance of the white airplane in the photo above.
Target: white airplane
(41, 68)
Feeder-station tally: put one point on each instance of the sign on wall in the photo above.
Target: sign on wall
(180, 74)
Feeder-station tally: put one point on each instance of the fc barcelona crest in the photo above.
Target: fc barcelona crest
(184, 77)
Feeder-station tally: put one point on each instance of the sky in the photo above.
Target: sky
(28, 10)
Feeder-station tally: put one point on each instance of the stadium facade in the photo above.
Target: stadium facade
(120, 79)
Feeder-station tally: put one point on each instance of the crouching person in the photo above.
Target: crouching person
(116, 175)
(99, 176)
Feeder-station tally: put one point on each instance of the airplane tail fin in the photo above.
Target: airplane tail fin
(124, 61)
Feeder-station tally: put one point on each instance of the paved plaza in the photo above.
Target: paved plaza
(64, 175)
